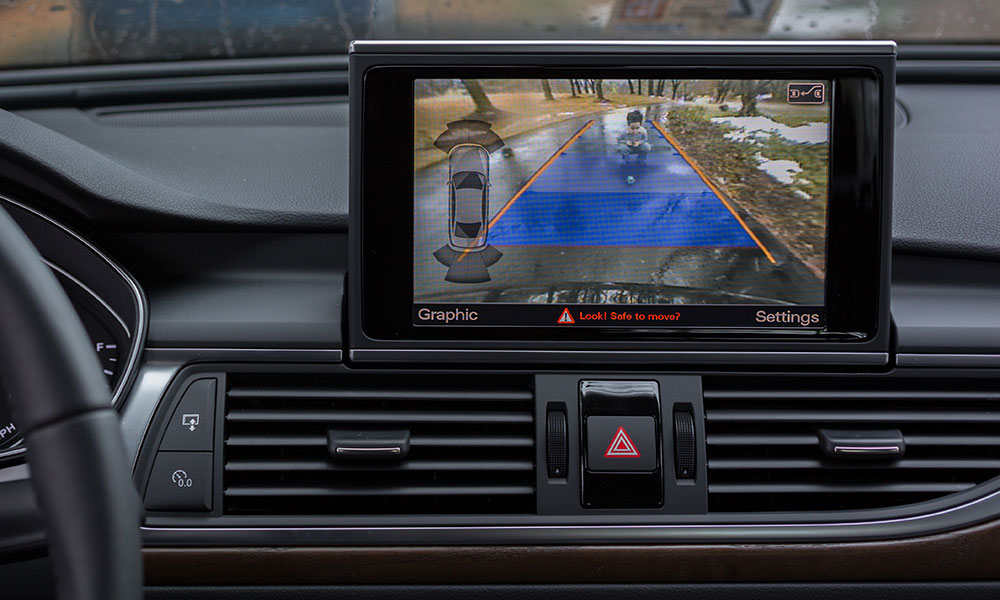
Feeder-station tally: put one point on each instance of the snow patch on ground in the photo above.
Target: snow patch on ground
(782, 170)
(748, 128)
(785, 171)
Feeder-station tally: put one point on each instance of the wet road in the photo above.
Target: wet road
(580, 221)
(587, 197)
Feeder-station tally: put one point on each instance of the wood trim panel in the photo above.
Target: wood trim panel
(969, 554)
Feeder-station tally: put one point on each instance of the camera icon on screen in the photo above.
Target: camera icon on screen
(806, 93)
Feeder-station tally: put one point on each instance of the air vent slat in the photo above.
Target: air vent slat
(416, 441)
(829, 488)
(376, 394)
(804, 439)
(805, 463)
(407, 465)
(952, 440)
(840, 394)
(470, 449)
(764, 451)
(371, 491)
(808, 439)
(765, 415)
(472, 441)
(276, 440)
(344, 416)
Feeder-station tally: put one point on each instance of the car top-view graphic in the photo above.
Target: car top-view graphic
(467, 254)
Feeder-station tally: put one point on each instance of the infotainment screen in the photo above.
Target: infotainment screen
(626, 202)
(620, 201)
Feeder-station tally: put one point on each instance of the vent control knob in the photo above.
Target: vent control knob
(884, 444)
(557, 443)
(684, 440)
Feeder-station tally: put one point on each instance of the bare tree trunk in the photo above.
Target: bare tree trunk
(660, 87)
(479, 97)
(599, 89)
(631, 88)
(674, 85)
(649, 87)
(722, 88)
(749, 108)
(547, 90)
(572, 87)
(749, 90)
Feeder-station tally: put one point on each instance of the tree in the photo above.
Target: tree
(649, 87)
(749, 89)
(631, 88)
(599, 90)
(479, 97)
(674, 85)
(722, 89)
(660, 86)
(547, 90)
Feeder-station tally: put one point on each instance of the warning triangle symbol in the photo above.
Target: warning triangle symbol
(621, 445)
(565, 318)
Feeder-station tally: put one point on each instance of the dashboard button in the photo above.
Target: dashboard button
(621, 444)
(192, 425)
(180, 481)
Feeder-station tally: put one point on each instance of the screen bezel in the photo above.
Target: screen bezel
(854, 223)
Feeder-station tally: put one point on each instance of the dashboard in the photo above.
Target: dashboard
(203, 220)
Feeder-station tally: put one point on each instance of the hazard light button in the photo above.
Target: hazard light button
(621, 444)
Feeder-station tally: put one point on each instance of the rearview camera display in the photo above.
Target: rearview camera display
(620, 202)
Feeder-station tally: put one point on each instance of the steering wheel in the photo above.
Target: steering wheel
(74, 444)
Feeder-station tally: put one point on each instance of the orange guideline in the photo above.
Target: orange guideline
(712, 186)
(532, 179)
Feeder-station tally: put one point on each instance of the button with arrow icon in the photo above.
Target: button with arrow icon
(191, 426)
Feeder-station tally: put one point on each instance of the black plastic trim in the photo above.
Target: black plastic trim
(189, 68)
(945, 52)
(278, 355)
(966, 590)
(494, 47)
(982, 361)
(183, 81)
(652, 357)
(948, 71)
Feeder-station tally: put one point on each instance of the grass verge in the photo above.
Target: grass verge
(799, 224)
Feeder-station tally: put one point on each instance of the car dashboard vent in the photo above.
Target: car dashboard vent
(766, 447)
(460, 445)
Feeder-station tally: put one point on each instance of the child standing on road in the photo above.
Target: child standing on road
(633, 139)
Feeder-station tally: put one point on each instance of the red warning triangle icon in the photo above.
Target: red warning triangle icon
(621, 445)
(565, 318)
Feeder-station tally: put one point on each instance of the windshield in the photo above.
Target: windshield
(66, 32)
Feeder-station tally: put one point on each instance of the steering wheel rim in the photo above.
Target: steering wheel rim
(74, 446)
